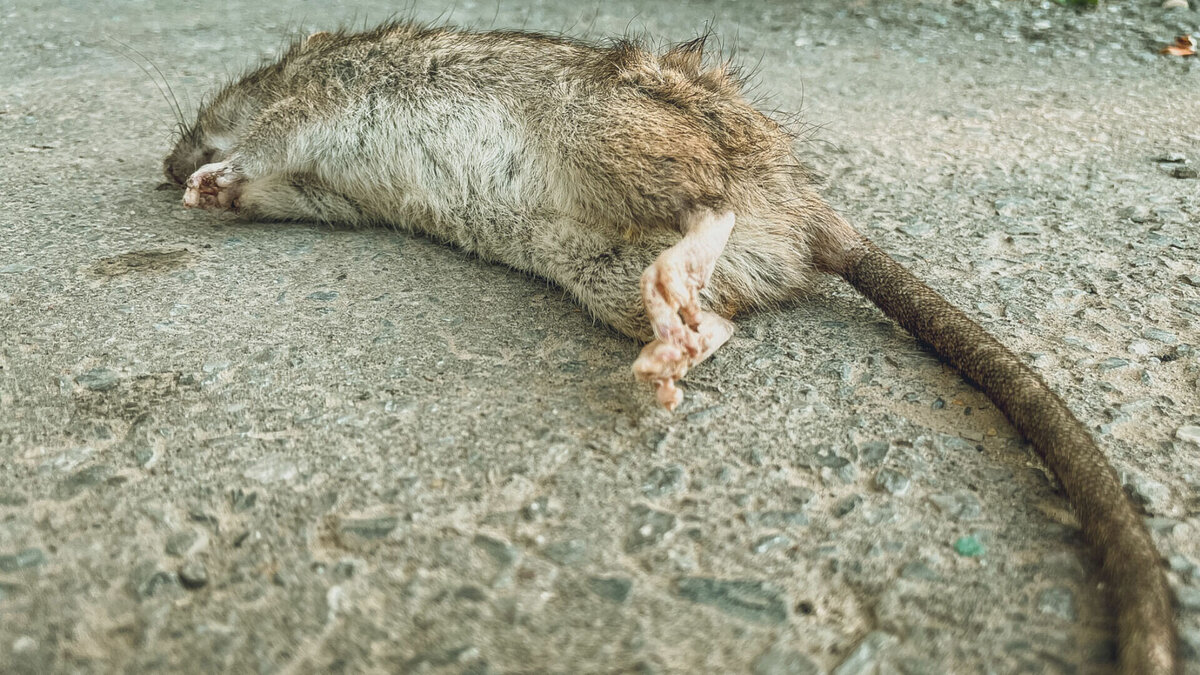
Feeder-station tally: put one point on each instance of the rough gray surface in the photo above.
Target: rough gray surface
(248, 447)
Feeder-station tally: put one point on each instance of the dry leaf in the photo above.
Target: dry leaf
(1185, 45)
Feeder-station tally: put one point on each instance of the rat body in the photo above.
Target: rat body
(642, 183)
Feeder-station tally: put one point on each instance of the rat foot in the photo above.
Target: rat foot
(664, 363)
(670, 293)
(213, 186)
(685, 334)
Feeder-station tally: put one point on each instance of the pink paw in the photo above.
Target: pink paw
(670, 292)
(664, 363)
(213, 186)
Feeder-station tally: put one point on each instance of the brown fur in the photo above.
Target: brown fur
(579, 163)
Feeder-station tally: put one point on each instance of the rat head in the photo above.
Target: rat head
(218, 125)
(211, 137)
(222, 122)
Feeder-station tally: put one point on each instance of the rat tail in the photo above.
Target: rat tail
(1131, 564)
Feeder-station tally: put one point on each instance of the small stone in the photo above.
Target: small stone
(917, 230)
(500, 551)
(771, 542)
(197, 514)
(777, 519)
(846, 505)
(747, 599)
(1189, 643)
(536, 509)
(24, 559)
(831, 460)
(802, 495)
(848, 474)
(82, 480)
(1112, 363)
(865, 658)
(1189, 598)
(98, 379)
(1181, 564)
(1011, 207)
(647, 527)
(611, 588)
(1189, 433)
(1160, 335)
(780, 661)
(1141, 348)
(369, 528)
(144, 456)
(24, 644)
(440, 657)
(193, 574)
(873, 452)
(1171, 158)
(1137, 214)
(961, 505)
(968, 546)
(147, 580)
(664, 480)
(15, 268)
(471, 593)
(323, 296)
(1162, 525)
(273, 468)
(568, 552)
(1057, 601)
(1149, 493)
(917, 569)
(241, 500)
(1185, 172)
(180, 543)
(892, 481)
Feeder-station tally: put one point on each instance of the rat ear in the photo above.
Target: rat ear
(317, 38)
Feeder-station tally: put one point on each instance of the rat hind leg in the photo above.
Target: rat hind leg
(685, 334)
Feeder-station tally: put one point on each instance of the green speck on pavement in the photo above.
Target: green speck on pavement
(968, 546)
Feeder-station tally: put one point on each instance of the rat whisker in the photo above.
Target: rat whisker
(171, 100)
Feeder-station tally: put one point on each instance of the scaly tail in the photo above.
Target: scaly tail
(1132, 566)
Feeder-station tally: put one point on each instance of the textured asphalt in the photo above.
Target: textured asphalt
(247, 447)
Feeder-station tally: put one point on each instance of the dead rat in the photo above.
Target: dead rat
(647, 186)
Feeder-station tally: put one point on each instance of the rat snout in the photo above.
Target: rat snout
(174, 173)
(180, 165)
